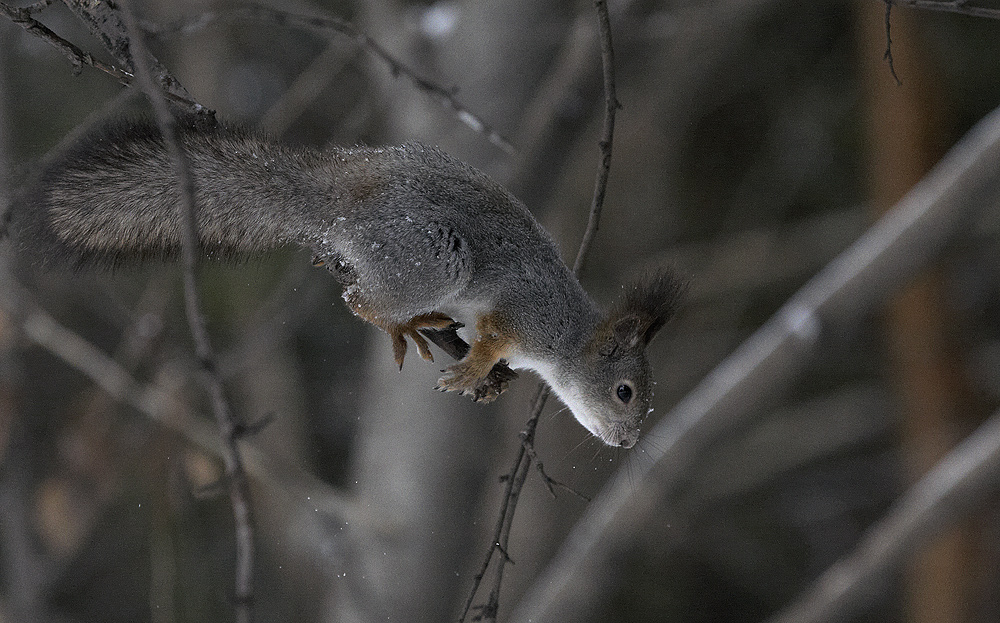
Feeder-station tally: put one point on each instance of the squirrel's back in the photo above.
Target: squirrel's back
(415, 227)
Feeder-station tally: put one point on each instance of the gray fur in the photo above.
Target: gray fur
(409, 230)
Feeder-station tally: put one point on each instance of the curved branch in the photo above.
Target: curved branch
(894, 249)
(943, 495)
(611, 106)
(960, 7)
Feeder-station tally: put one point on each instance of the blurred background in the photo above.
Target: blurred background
(757, 140)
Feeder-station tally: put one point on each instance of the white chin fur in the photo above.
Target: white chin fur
(566, 394)
(571, 399)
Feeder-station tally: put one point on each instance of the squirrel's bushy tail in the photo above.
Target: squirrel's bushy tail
(112, 198)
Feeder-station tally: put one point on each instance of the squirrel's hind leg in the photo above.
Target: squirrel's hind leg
(411, 328)
(372, 311)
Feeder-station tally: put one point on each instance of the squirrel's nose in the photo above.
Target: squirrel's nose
(627, 443)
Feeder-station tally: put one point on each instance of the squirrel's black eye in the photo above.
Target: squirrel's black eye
(624, 393)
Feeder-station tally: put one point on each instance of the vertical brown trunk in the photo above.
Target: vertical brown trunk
(904, 139)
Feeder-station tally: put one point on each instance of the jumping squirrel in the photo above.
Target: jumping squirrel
(418, 239)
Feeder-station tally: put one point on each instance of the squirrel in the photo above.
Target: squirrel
(417, 238)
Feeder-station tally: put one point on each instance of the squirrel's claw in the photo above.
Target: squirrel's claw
(495, 383)
(483, 374)
(398, 348)
(422, 349)
(461, 378)
(411, 328)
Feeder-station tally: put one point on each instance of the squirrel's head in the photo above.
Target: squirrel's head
(611, 392)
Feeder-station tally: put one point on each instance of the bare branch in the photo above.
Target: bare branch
(105, 22)
(960, 7)
(156, 403)
(514, 480)
(947, 492)
(227, 422)
(77, 57)
(888, 42)
(327, 24)
(611, 106)
(894, 249)
(42, 329)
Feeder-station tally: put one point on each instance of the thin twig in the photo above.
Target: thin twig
(888, 42)
(522, 468)
(526, 453)
(514, 479)
(550, 482)
(326, 24)
(611, 106)
(78, 58)
(239, 490)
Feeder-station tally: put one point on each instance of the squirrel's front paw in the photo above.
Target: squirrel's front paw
(462, 378)
(459, 378)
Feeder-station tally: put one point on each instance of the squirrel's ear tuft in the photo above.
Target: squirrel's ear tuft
(644, 307)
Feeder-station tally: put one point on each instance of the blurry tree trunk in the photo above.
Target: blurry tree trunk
(421, 457)
(22, 570)
(417, 472)
(495, 56)
(904, 136)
